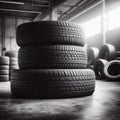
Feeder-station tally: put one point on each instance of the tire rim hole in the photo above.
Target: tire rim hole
(114, 69)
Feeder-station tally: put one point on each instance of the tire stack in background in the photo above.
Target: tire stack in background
(92, 53)
(4, 68)
(107, 64)
(13, 60)
(52, 61)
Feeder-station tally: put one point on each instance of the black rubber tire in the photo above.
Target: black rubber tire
(4, 72)
(13, 67)
(53, 83)
(117, 55)
(49, 33)
(4, 67)
(4, 60)
(117, 58)
(90, 67)
(13, 59)
(99, 67)
(56, 56)
(10, 54)
(107, 52)
(112, 70)
(14, 63)
(92, 55)
(4, 78)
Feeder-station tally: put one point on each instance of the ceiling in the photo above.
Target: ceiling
(32, 8)
(71, 8)
(26, 8)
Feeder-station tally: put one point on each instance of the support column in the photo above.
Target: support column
(53, 14)
(3, 36)
(103, 27)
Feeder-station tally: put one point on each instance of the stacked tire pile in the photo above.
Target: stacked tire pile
(92, 56)
(106, 62)
(4, 68)
(13, 60)
(52, 61)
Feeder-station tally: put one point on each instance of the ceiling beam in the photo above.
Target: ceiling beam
(23, 1)
(68, 15)
(16, 10)
(15, 16)
(34, 3)
(12, 2)
(20, 8)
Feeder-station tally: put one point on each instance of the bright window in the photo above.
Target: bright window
(92, 27)
(113, 19)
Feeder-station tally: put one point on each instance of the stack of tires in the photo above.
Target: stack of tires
(52, 61)
(4, 68)
(13, 60)
(107, 65)
(93, 53)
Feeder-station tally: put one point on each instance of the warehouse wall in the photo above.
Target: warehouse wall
(112, 36)
(10, 32)
(0, 35)
(9, 37)
(90, 14)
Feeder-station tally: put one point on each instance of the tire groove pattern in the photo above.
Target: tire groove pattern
(53, 83)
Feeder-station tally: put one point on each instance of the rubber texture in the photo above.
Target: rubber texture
(4, 78)
(92, 55)
(90, 67)
(10, 54)
(4, 60)
(117, 55)
(13, 62)
(49, 33)
(56, 56)
(4, 67)
(4, 72)
(13, 67)
(112, 70)
(99, 67)
(117, 58)
(52, 83)
(107, 52)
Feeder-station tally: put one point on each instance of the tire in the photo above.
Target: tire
(4, 72)
(90, 67)
(13, 67)
(53, 83)
(56, 56)
(111, 70)
(107, 52)
(4, 67)
(117, 58)
(13, 54)
(117, 55)
(92, 55)
(49, 33)
(99, 67)
(4, 60)
(4, 78)
(13, 61)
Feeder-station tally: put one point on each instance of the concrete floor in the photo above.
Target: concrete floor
(104, 104)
